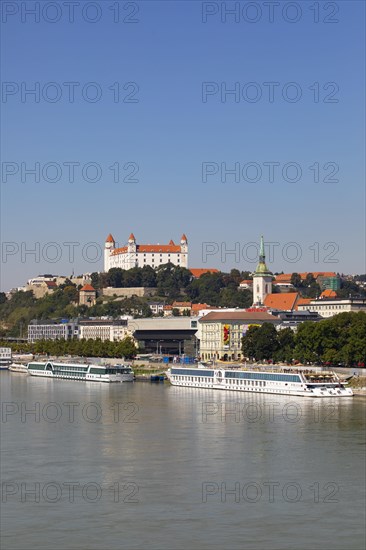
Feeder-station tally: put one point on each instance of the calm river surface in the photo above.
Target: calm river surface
(151, 466)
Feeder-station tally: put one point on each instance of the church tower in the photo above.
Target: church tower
(109, 246)
(262, 279)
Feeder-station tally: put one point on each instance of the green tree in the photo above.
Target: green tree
(296, 280)
(249, 342)
(266, 342)
(148, 277)
(286, 345)
(127, 347)
(115, 277)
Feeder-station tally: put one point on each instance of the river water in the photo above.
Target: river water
(151, 466)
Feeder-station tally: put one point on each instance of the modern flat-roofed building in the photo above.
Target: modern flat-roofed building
(51, 330)
(166, 335)
(292, 319)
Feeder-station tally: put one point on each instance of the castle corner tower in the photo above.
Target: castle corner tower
(109, 246)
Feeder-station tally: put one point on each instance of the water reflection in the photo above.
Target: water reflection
(177, 440)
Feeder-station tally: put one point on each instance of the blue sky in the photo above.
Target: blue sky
(169, 132)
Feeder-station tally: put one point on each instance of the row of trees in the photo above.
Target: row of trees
(83, 348)
(309, 288)
(172, 283)
(338, 340)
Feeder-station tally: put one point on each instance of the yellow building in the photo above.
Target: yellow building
(221, 332)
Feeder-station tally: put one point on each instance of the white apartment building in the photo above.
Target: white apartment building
(156, 307)
(139, 255)
(112, 330)
(327, 308)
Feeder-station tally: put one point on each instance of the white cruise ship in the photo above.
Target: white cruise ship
(80, 371)
(286, 381)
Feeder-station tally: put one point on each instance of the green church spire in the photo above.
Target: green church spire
(262, 256)
(262, 268)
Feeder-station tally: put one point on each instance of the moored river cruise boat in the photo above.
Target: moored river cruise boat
(19, 368)
(286, 381)
(80, 371)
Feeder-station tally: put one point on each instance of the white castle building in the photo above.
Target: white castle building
(138, 255)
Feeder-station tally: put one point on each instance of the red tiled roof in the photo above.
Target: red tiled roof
(154, 248)
(286, 301)
(166, 308)
(109, 239)
(328, 293)
(132, 237)
(303, 301)
(88, 288)
(198, 307)
(171, 242)
(51, 283)
(239, 316)
(117, 251)
(247, 282)
(184, 238)
(200, 271)
(182, 304)
(158, 248)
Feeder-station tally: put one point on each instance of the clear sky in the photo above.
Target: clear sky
(173, 130)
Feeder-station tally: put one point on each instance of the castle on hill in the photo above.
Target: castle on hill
(139, 255)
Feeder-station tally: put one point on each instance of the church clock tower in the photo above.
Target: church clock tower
(262, 279)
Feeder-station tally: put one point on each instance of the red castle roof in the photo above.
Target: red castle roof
(87, 288)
